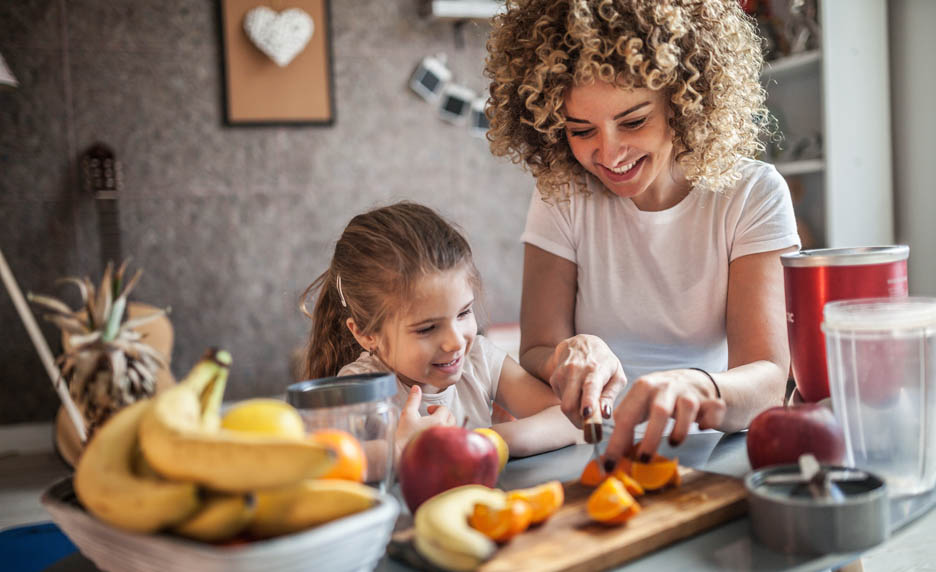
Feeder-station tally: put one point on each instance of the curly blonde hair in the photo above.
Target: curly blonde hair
(705, 55)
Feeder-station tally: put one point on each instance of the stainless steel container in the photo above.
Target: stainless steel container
(360, 404)
(786, 516)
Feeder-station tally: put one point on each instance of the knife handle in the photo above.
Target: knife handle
(592, 427)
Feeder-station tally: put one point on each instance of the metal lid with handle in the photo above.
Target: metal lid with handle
(855, 256)
(343, 390)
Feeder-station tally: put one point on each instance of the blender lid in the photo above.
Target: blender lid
(788, 516)
(880, 314)
(343, 390)
(855, 256)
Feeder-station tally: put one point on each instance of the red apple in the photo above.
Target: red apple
(440, 458)
(779, 435)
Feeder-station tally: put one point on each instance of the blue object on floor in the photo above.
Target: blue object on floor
(33, 547)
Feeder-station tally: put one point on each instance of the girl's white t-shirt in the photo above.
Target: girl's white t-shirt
(472, 396)
(654, 285)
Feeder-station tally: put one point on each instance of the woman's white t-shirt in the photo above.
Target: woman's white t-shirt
(654, 285)
(472, 396)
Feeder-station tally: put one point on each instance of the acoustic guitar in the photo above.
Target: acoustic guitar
(101, 175)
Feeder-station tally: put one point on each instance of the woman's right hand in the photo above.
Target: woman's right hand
(411, 422)
(586, 374)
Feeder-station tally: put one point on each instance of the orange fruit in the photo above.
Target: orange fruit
(656, 474)
(611, 503)
(630, 484)
(544, 499)
(591, 476)
(351, 462)
(501, 525)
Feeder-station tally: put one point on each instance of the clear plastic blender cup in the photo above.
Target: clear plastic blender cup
(881, 356)
(360, 404)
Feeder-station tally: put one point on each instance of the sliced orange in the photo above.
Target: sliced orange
(630, 485)
(544, 499)
(656, 474)
(626, 515)
(591, 476)
(490, 522)
(503, 524)
(610, 502)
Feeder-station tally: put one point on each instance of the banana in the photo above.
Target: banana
(221, 518)
(182, 440)
(108, 487)
(443, 535)
(309, 503)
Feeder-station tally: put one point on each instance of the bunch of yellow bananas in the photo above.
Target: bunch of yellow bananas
(166, 464)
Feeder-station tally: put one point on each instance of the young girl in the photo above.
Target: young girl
(399, 296)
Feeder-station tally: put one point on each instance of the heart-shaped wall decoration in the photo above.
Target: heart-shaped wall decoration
(280, 35)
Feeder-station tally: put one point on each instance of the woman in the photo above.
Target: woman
(652, 245)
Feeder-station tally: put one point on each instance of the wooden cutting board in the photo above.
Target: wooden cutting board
(570, 541)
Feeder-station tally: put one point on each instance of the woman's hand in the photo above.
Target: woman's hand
(585, 374)
(684, 394)
(411, 422)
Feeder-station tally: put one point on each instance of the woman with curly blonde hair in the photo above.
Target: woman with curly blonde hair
(652, 247)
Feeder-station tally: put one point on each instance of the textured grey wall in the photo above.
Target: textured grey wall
(229, 223)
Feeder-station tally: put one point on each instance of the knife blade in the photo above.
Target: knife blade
(592, 431)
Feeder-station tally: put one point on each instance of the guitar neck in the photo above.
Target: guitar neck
(101, 175)
(109, 231)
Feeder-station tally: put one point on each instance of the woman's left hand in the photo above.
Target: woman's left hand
(684, 394)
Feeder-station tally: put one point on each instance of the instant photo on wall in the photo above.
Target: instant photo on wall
(429, 78)
(455, 103)
(478, 123)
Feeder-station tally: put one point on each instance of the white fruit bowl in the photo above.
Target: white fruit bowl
(352, 543)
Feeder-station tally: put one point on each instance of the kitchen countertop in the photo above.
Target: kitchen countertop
(727, 547)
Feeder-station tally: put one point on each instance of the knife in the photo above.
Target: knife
(592, 430)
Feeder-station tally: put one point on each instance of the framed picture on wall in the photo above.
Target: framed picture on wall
(277, 62)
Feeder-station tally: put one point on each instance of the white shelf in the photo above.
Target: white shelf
(804, 167)
(464, 9)
(791, 64)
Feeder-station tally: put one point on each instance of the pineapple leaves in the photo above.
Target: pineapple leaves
(107, 363)
(113, 322)
(49, 303)
(104, 300)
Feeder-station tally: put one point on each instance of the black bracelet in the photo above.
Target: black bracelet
(708, 375)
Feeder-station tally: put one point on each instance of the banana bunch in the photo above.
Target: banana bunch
(442, 533)
(166, 464)
(182, 440)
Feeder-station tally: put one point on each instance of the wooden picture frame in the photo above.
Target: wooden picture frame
(257, 91)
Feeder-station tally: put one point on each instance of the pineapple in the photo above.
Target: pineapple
(106, 364)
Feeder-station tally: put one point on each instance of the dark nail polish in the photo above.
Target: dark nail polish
(608, 465)
(674, 442)
(606, 411)
(645, 457)
(586, 412)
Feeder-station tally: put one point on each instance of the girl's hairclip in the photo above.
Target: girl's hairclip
(340, 293)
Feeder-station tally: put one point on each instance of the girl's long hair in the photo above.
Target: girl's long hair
(380, 256)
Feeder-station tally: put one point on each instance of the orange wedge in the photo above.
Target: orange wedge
(611, 503)
(591, 476)
(501, 525)
(544, 499)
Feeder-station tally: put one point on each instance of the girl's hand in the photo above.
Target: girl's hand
(411, 422)
(684, 394)
(586, 375)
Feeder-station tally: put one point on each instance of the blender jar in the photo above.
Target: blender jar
(359, 404)
(882, 378)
